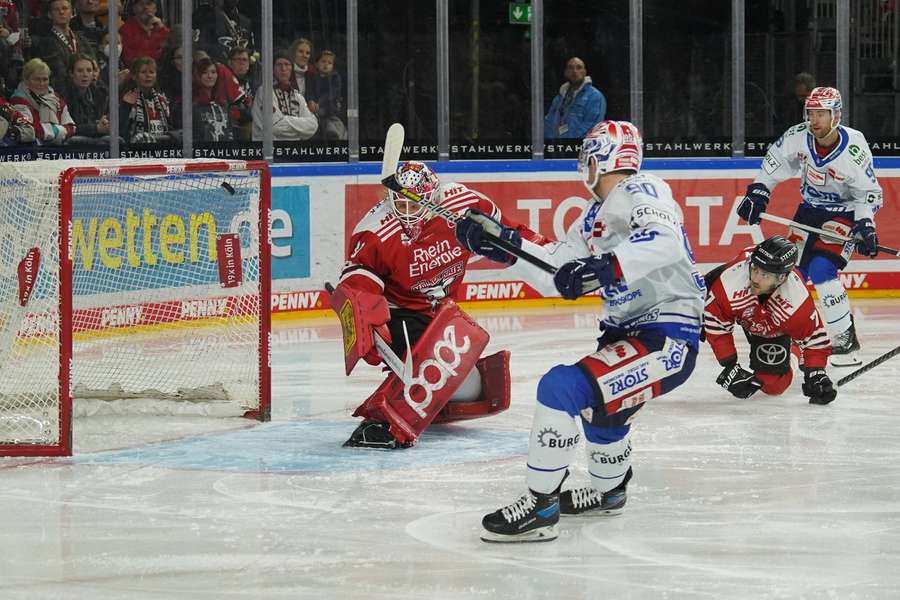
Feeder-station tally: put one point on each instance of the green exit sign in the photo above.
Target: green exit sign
(519, 13)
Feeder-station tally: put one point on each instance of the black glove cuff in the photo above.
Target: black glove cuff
(729, 361)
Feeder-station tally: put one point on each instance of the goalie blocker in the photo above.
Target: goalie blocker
(441, 360)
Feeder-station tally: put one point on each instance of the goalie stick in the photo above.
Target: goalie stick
(868, 366)
(393, 145)
(451, 217)
(826, 234)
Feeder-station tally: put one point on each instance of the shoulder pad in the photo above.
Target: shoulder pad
(793, 292)
(376, 218)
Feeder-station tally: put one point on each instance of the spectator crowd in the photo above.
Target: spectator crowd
(54, 74)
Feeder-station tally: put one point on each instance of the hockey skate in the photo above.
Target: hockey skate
(588, 502)
(374, 434)
(845, 348)
(531, 518)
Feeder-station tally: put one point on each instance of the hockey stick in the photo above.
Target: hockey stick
(384, 350)
(451, 217)
(827, 234)
(393, 145)
(868, 366)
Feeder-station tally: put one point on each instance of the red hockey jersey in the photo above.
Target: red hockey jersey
(414, 274)
(790, 310)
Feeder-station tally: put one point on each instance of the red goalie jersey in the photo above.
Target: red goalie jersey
(417, 274)
(789, 310)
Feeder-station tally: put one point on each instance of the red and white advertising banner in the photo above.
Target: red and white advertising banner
(709, 204)
(549, 202)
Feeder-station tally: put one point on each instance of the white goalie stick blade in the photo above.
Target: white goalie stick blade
(393, 146)
(541, 534)
(408, 365)
(392, 360)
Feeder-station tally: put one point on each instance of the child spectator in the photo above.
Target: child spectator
(42, 108)
(326, 102)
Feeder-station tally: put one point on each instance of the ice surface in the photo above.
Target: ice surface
(769, 497)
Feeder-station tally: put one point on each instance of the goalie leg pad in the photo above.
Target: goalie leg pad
(495, 391)
(441, 360)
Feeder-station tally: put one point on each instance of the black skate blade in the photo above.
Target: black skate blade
(541, 534)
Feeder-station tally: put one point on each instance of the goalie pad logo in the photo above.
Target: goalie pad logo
(444, 368)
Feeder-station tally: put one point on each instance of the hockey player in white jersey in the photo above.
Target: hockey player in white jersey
(839, 192)
(630, 244)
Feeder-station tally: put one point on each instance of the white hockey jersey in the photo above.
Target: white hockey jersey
(641, 224)
(844, 180)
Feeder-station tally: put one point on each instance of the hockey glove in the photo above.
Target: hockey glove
(471, 230)
(863, 233)
(818, 387)
(754, 203)
(737, 380)
(579, 277)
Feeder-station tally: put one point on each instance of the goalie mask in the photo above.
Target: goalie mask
(418, 178)
(824, 98)
(611, 146)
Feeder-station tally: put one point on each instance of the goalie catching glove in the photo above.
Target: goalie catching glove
(471, 230)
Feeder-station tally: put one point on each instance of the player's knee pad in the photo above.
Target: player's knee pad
(439, 362)
(554, 438)
(626, 373)
(608, 463)
(821, 269)
(775, 384)
(812, 245)
(565, 388)
(494, 395)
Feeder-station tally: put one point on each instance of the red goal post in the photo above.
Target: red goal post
(131, 283)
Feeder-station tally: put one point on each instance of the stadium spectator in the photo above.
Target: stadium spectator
(62, 43)
(578, 106)
(301, 52)
(143, 34)
(325, 98)
(292, 120)
(88, 102)
(43, 108)
(222, 28)
(241, 113)
(86, 23)
(792, 111)
(145, 111)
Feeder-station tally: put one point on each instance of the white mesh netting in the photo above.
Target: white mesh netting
(165, 298)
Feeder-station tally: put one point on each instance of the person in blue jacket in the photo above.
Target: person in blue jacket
(578, 106)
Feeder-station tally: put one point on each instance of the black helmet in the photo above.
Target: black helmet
(775, 255)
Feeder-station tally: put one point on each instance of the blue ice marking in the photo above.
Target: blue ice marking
(315, 446)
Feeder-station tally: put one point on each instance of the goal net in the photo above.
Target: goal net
(140, 284)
